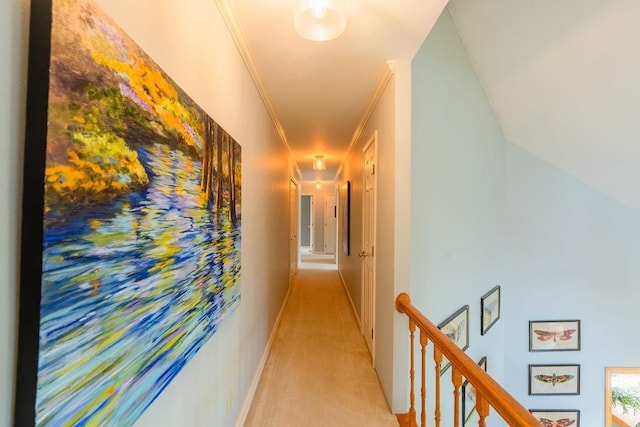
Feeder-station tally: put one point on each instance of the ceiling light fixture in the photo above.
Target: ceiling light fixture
(319, 163)
(317, 185)
(320, 20)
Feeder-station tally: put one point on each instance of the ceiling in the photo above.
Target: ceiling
(318, 93)
(561, 77)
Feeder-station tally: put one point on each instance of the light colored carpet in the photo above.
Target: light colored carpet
(319, 372)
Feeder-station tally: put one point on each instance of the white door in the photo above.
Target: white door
(329, 223)
(368, 245)
(293, 230)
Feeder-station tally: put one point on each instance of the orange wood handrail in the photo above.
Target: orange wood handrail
(495, 396)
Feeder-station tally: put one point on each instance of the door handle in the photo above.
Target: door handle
(362, 254)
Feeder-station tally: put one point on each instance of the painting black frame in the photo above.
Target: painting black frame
(32, 213)
(486, 299)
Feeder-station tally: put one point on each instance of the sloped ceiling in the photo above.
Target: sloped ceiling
(563, 78)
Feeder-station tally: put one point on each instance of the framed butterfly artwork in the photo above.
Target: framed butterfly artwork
(554, 335)
(557, 417)
(554, 379)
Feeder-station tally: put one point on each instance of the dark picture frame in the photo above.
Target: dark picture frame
(456, 327)
(561, 379)
(568, 417)
(345, 216)
(469, 395)
(113, 173)
(554, 335)
(489, 309)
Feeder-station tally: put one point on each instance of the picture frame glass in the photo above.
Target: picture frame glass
(554, 335)
(549, 417)
(554, 379)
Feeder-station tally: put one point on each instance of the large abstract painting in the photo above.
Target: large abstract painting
(131, 224)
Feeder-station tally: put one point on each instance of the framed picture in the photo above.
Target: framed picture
(489, 309)
(468, 401)
(554, 335)
(554, 379)
(483, 363)
(345, 215)
(469, 395)
(131, 224)
(557, 417)
(456, 327)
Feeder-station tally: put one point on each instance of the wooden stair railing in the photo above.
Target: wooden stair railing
(489, 394)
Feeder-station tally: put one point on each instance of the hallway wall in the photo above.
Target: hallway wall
(191, 43)
(389, 122)
(486, 213)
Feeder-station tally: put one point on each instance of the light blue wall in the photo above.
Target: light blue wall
(573, 254)
(485, 212)
(457, 250)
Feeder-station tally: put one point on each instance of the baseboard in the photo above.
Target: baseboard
(353, 307)
(242, 417)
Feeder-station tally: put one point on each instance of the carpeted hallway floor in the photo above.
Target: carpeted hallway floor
(319, 372)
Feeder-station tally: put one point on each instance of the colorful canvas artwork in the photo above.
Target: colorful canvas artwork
(139, 225)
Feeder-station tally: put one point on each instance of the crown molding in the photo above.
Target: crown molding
(383, 82)
(233, 25)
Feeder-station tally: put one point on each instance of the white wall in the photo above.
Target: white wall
(485, 212)
(13, 36)
(191, 43)
(390, 121)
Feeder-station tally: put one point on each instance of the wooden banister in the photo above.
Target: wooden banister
(493, 395)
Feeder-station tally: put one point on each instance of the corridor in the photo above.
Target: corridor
(319, 372)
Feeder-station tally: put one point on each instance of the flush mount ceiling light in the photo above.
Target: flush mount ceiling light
(319, 163)
(320, 20)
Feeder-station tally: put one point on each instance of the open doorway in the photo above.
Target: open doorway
(306, 223)
(317, 211)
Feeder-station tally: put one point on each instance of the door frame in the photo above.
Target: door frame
(373, 141)
(312, 218)
(294, 224)
(327, 197)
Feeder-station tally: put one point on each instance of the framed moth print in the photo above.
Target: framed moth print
(554, 335)
(456, 327)
(131, 224)
(489, 309)
(557, 417)
(554, 379)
